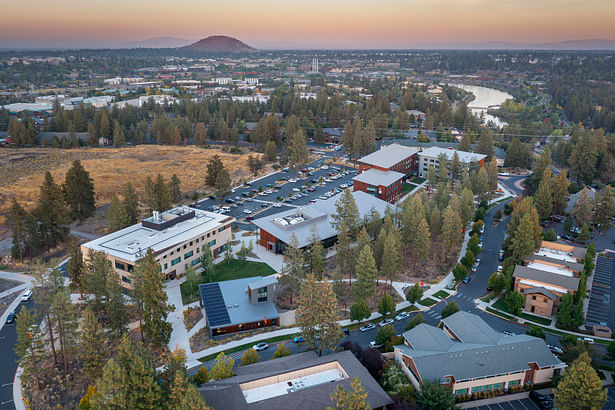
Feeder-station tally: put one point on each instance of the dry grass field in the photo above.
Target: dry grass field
(22, 170)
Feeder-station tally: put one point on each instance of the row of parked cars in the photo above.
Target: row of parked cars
(24, 298)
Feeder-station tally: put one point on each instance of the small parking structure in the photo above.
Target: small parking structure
(601, 293)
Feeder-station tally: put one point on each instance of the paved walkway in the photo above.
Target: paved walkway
(179, 335)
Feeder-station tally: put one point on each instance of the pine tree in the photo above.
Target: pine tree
(605, 208)
(355, 399)
(200, 134)
(149, 195)
(119, 138)
(544, 196)
(175, 190)
(317, 259)
(98, 270)
(152, 299)
(91, 346)
(434, 395)
(116, 306)
(223, 369)
(466, 143)
(29, 347)
(560, 193)
(485, 143)
(392, 256)
(364, 287)
(76, 268)
(193, 400)
(162, 196)
(65, 322)
(492, 174)
(130, 203)
(79, 192)
(298, 151)
(346, 210)
(17, 221)
(116, 215)
(142, 390)
(213, 167)
(524, 241)
(451, 231)
(450, 308)
(223, 184)
(51, 213)
(294, 266)
(580, 387)
(111, 389)
(387, 305)
(207, 262)
(344, 256)
(359, 310)
(317, 315)
(178, 390)
(270, 151)
(92, 135)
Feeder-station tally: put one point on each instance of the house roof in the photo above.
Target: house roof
(566, 282)
(482, 352)
(388, 155)
(261, 283)
(319, 215)
(227, 393)
(376, 177)
(465, 157)
(573, 266)
(412, 142)
(227, 303)
(543, 291)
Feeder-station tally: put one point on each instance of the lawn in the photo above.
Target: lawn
(428, 302)
(441, 294)
(418, 180)
(227, 352)
(407, 187)
(500, 304)
(228, 271)
(495, 312)
(536, 319)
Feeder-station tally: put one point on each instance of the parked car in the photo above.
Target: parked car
(298, 339)
(367, 327)
(277, 205)
(26, 296)
(555, 349)
(260, 346)
(373, 344)
(543, 401)
(467, 279)
(402, 315)
(10, 318)
(587, 340)
(501, 255)
(346, 332)
(247, 211)
(385, 322)
(508, 333)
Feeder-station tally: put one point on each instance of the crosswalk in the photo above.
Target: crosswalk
(432, 313)
(464, 297)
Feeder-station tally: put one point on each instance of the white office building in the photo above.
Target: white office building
(431, 157)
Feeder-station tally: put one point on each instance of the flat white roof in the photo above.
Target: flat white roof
(555, 254)
(550, 268)
(131, 243)
(291, 385)
(389, 155)
(376, 177)
(466, 157)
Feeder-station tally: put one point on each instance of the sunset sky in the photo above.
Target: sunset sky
(274, 24)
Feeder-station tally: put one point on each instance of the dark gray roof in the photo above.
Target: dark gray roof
(567, 282)
(226, 394)
(482, 352)
(543, 291)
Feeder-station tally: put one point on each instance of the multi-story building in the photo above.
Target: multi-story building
(431, 157)
(553, 271)
(176, 237)
(385, 185)
(469, 356)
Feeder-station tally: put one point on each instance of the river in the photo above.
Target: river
(485, 98)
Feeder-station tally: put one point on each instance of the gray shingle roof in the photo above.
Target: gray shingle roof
(544, 291)
(482, 352)
(226, 394)
(388, 155)
(376, 177)
(567, 282)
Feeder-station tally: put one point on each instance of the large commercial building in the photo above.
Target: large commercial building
(549, 274)
(300, 381)
(175, 236)
(238, 305)
(381, 173)
(275, 231)
(469, 356)
(431, 157)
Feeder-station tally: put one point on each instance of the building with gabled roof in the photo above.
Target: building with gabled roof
(469, 356)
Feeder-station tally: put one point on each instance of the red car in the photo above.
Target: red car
(304, 170)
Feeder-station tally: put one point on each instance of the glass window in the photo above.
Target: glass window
(487, 387)
(498, 385)
(176, 261)
(119, 265)
(513, 382)
(195, 261)
(190, 243)
(185, 246)
(461, 391)
(125, 279)
(262, 294)
(188, 254)
(476, 388)
(165, 266)
(185, 266)
(212, 243)
(197, 240)
(221, 229)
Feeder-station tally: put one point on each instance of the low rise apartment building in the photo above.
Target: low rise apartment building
(469, 356)
(547, 275)
(431, 157)
(176, 237)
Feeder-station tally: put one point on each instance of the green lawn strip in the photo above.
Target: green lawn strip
(500, 304)
(441, 294)
(227, 271)
(418, 180)
(407, 187)
(246, 346)
(536, 319)
(428, 302)
(410, 308)
(498, 313)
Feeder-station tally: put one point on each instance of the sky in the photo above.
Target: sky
(297, 24)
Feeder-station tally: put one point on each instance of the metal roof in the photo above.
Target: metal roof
(566, 282)
(465, 157)
(376, 177)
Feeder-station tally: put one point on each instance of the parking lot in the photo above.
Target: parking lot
(601, 293)
(283, 190)
(519, 404)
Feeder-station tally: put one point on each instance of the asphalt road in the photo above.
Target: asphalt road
(8, 359)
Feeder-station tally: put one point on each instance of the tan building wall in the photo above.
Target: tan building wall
(539, 304)
(188, 253)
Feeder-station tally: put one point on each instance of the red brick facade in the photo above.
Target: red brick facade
(389, 194)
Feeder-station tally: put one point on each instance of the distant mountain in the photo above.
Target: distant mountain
(591, 44)
(219, 44)
(158, 42)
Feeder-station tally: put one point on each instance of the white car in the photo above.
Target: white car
(260, 346)
(310, 169)
(385, 322)
(277, 205)
(367, 327)
(226, 209)
(343, 186)
(26, 296)
(293, 180)
(373, 345)
(296, 190)
(402, 315)
(324, 167)
(247, 211)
